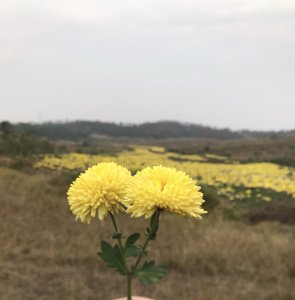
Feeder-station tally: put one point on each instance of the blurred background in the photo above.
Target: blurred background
(206, 87)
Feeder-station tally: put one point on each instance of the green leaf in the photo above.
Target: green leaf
(133, 250)
(112, 257)
(154, 226)
(131, 240)
(149, 273)
(130, 248)
(153, 218)
(105, 246)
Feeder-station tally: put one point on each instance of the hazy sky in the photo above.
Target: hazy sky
(225, 63)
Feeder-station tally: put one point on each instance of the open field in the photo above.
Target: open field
(243, 249)
(45, 254)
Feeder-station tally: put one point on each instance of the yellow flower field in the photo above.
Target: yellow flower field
(225, 176)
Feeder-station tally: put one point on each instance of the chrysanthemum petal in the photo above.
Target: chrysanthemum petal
(98, 190)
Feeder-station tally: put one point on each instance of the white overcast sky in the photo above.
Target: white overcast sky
(224, 63)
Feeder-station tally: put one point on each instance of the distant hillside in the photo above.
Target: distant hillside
(166, 129)
(78, 130)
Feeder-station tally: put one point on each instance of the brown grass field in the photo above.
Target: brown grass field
(45, 254)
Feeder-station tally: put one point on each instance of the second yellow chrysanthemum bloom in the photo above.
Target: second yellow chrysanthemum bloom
(165, 189)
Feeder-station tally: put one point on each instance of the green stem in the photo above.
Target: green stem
(129, 281)
(147, 240)
(120, 243)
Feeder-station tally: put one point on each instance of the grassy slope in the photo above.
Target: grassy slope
(45, 254)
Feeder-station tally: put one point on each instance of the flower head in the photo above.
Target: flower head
(100, 190)
(164, 188)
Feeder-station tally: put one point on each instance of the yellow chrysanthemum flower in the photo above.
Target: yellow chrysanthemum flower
(99, 190)
(164, 188)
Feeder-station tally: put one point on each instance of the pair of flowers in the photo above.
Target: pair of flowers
(108, 187)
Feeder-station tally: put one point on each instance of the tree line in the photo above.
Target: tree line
(80, 130)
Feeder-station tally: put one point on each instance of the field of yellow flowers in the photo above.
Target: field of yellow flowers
(230, 179)
(47, 255)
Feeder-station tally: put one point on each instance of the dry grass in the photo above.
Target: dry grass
(45, 254)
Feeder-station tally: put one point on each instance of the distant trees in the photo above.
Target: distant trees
(6, 129)
(21, 143)
(81, 130)
(166, 129)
